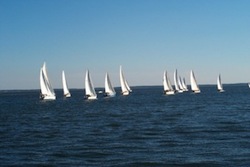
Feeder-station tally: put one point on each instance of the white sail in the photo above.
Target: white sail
(170, 85)
(89, 88)
(165, 83)
(168, 89)
(66, 92)
(184, 85)
(180, 84)
(109, 90)
(219, 84)
(176, 82)
(50, 89)
(124, 84)
(193, 82)
(47, 92)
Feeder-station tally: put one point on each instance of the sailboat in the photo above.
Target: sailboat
(193, 82)
(66, 92)
(176, 82)
(168, 89)
(109, 90)
(89, 88)
(219, 84)
(184, 85)
(124, 84)
(47, 92)
(180, 84)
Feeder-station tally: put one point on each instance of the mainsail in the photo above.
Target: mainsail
(193, 82)
(66, 92)
(47, 92)
(109, 90)
(168, 89)
(124, 84)
(89, 88)
(177, 82)
(180, 84)
(219, 84)
(184, 85)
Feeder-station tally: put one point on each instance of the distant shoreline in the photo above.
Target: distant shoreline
(118, 87)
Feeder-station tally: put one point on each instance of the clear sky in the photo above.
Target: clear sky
(146, 37)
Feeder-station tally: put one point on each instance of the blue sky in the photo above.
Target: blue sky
(146, 37)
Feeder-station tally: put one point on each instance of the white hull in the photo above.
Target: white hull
(92, 97)
(221, 91)
(48, 98)
(110, 94)
(169, 92)
(196, 91)
(125, 93)
(67, 95)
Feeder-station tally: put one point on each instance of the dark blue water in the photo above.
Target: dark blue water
(143, 129)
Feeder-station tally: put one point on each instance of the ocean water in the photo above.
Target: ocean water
(145, 128)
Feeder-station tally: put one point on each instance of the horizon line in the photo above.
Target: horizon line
(24, 89)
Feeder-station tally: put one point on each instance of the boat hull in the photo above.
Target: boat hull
(67, 95)
(109, 94)
(48, 97)
(169, 92)
(125, 93)
(196, 91)
(88, 97)
(92, 98)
